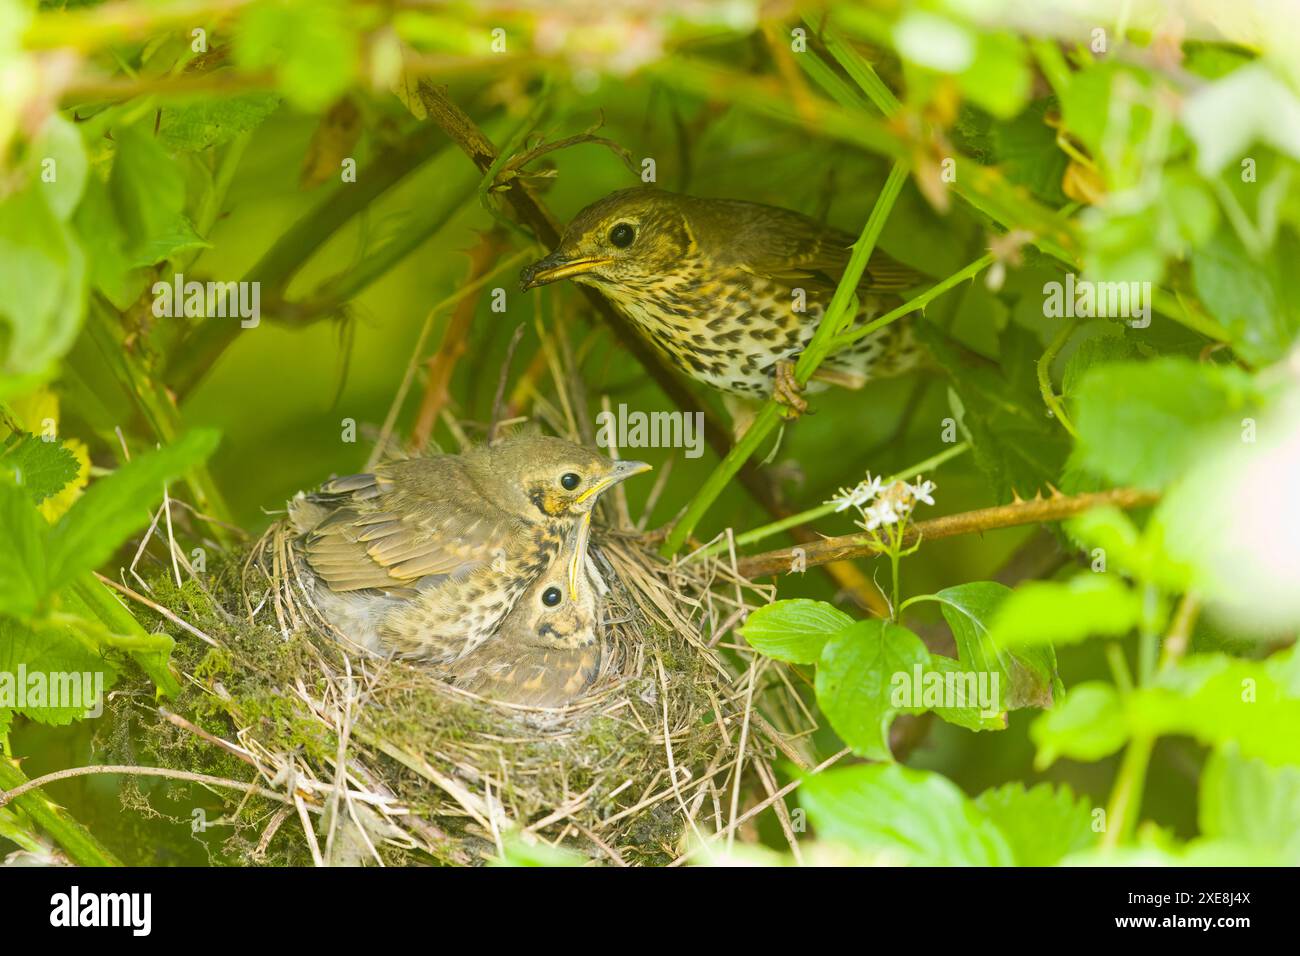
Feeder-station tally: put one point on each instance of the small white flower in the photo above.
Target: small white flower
(881, 513)
(921, 491)
(858, 496)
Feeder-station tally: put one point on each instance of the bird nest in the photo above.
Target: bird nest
(350, 758)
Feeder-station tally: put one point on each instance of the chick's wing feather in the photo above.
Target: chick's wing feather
(407, 524)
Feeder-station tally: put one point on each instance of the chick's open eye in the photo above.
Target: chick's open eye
(622, 234)
(570, 480)
(551, 597)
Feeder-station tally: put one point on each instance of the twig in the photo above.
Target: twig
(1055, 508)
(157, 609)
(7, 795)
(455, 339)
(822, 510)
(499, 399)
(394, 409)
(279, 264)
(233, 749)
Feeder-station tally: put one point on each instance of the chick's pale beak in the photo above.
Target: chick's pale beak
(555, 267)
(577, 564)
(621, 471)
(626, 469)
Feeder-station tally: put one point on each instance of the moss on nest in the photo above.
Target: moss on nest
(379, 760)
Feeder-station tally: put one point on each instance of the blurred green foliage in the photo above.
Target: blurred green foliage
(1125, 147)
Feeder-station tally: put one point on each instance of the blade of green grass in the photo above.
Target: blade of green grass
(842, 308)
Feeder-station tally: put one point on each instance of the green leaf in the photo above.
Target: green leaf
(898, 815)
(1124, 549)
(41, 467)
(1190, 211)
(104, 242)
(1051, 612)
(147, 189)
(979, 709)
(1107, 109)
(1026, 151)
(539, 853)
(1027, 677)
(1220, 700)
(1017, 447)
(1250, 802)
(1147, 423)
(854, 678)
(43, 275)
(62, 144)
(23, 569)
(1254, 297)
(795, 630)
(310, 46)
(53, 664)
(1098, 349)
(117, 505)
(93, 601)
(999, 80)
(1043, 825)
(1087, 725)
(1123, 247)
(205, 123)
(1228, 116)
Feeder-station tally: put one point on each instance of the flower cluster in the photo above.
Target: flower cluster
(879, 504)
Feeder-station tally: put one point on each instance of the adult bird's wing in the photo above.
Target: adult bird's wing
(377, 531)
(781, 244)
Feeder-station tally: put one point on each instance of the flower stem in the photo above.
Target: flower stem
(895, 558)
(917, 302)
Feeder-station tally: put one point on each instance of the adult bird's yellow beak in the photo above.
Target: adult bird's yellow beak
(555, 267)
(620, 471)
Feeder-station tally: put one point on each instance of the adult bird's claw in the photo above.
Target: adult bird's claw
(787, 390)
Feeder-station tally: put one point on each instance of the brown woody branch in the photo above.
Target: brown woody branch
(848, 546)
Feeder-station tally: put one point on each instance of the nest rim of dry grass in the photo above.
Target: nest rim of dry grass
(671, 777)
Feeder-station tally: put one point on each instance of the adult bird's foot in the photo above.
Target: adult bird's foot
(787, 390)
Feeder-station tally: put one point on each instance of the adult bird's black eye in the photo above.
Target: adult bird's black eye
(551, 597)
(622, 235)
(570, 480)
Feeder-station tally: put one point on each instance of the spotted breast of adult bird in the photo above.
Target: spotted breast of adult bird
(730, 291)
(424, 557)
(549, 648)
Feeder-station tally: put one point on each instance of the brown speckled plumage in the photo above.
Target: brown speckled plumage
(423, 558)
(548, 649)
(711, 283)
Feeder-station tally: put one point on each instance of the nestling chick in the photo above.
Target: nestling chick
(423, 558)
(549, 647)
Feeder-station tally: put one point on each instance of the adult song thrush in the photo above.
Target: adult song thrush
(424, 557)
(548, 649)
(715, 284)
